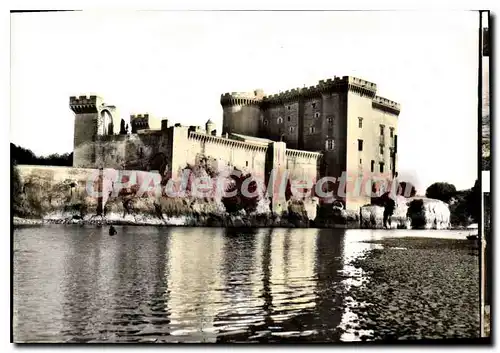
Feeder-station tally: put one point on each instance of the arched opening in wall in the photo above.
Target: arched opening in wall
(107, 122)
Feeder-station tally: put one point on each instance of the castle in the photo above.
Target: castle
(339, 125)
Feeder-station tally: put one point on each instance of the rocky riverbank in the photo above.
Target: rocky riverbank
(418, 288)
(193, 220)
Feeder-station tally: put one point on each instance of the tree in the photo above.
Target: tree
(473, 202)
(20, 155)
(123, 131)
(441, 191)
(239, 201)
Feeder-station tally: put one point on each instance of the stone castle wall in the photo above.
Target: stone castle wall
(325, 118)
(174, 149)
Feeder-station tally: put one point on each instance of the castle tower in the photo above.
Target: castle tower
(86, 109)
(139, 122)
(210, 127)
(241, 112)
(92, 118)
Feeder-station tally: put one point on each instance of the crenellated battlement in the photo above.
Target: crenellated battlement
(139, 122)
(386, 105)
(85, 104)
(241, 98)
(139, 116)
(337, 84)
(361, 83)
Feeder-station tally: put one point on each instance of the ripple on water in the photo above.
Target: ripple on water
(186, 284)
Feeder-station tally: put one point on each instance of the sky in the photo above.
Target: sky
(177, 64)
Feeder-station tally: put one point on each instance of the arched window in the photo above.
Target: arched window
(291, 128)
(280, 120)
(106, 121)
(265, 122)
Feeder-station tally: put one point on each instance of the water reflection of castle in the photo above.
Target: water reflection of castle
(265, 278)
(201, 284)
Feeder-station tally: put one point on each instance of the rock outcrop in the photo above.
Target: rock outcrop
(428, 213)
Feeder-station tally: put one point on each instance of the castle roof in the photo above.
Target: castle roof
(209, 121)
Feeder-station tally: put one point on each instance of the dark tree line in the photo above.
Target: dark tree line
(20, 155)
(465, 205)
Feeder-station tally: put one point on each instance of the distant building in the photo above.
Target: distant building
(338, 125)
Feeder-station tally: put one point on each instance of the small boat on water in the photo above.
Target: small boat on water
(112, 230)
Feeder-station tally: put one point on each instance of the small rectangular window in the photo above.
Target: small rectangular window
(360, 122)
(291, 129)
(288, 118)
(329, 145)
(381, 167)
(392, 132)
(372, 168)
(288, 107)
(381, 130)
(247, 163)
(360, 161)
(311, 129)
(360, 145)
(330, 121)
(314, 105)
(381, 149)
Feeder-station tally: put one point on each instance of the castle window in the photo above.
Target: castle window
(360, 145)
(280, 120)
(372, 168)
(360, 161)
(311, 129)
(316, 115)
(288, 107)
(381, 130)
(381, 165)
(246, 163)
(329, 145)
(330, 121)
(392, 131)
(291, 128)
(381, 149)
(288, 118)
(360, 122)
(314, 105)
(265, 122)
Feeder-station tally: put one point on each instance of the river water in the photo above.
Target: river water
(156, 284)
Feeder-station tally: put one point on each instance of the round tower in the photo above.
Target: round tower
(241, 112)
(210, 127)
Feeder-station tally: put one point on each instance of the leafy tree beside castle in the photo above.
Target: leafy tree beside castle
(238, 201)
(441, 191)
